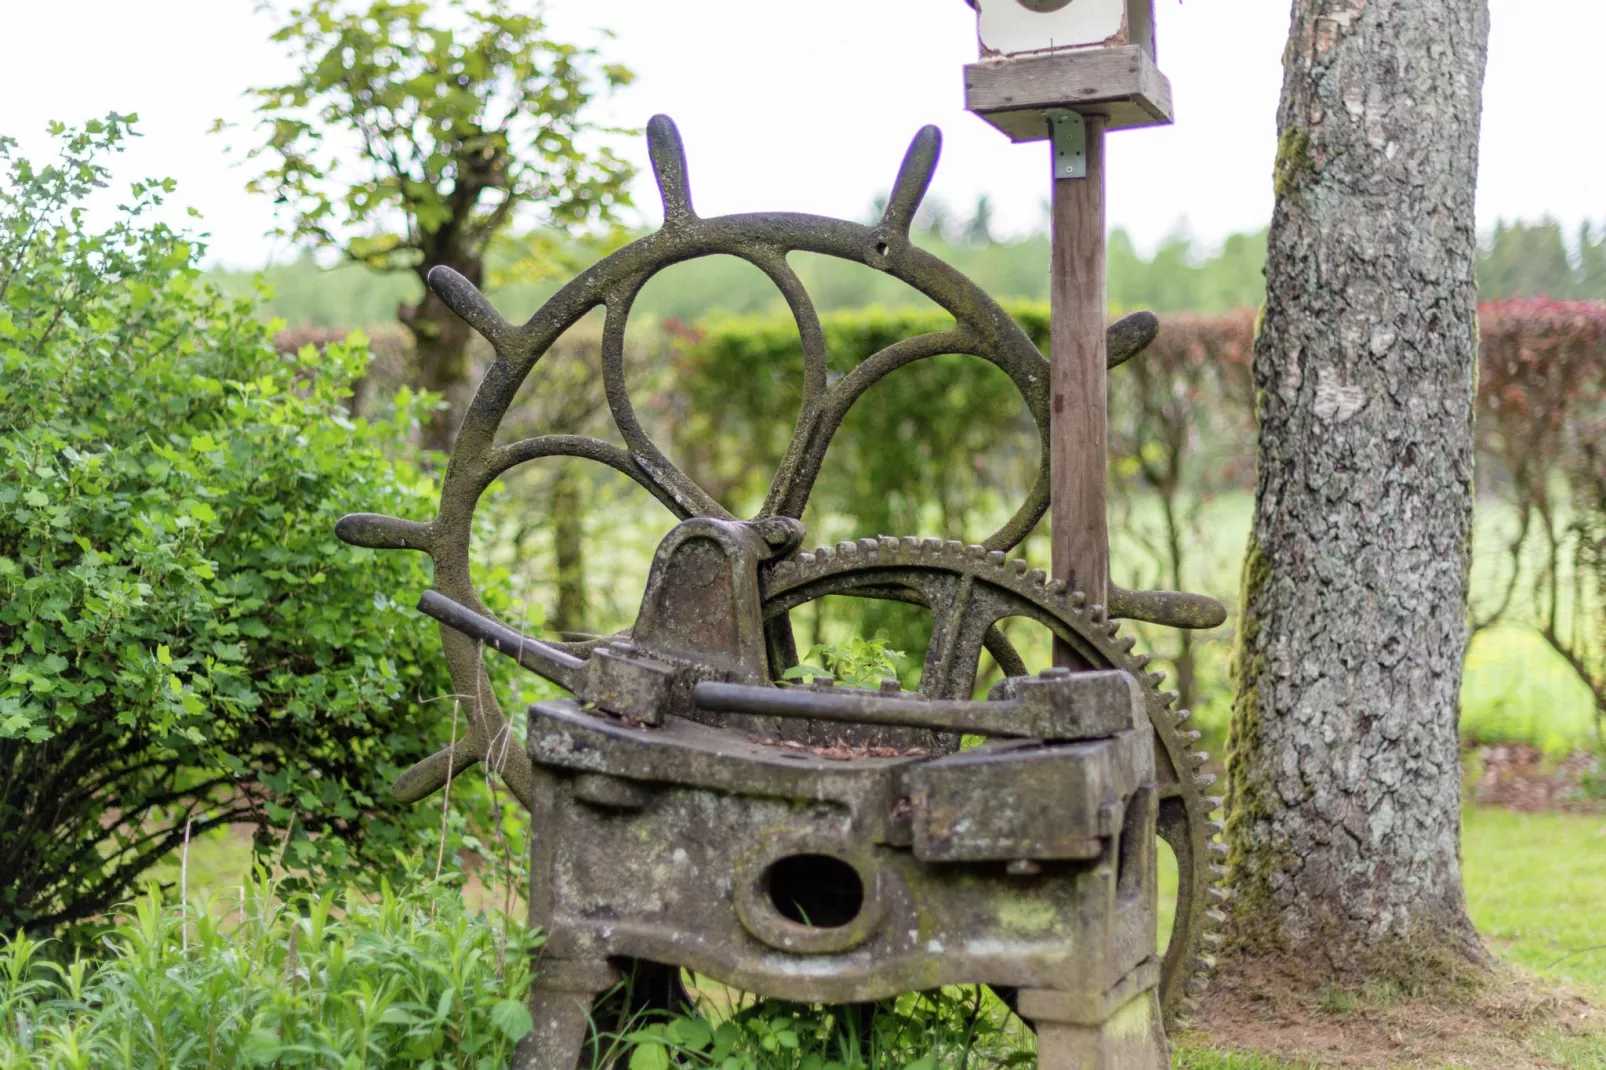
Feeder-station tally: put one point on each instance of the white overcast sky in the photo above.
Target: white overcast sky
(807, 106)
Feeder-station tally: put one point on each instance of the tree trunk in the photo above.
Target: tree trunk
(440, 355)
(1344, 812)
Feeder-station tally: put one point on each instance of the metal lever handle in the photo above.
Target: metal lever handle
(1063, 707)
(543, 659)
(1173, 609)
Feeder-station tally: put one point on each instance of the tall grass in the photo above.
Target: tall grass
(410, 980)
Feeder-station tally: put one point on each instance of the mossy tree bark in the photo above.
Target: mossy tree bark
(1344, 810)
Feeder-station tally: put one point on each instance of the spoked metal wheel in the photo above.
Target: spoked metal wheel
(968, 590)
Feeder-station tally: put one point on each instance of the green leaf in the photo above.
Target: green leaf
(693, 1034)
(513, 1018)
(649, 1056)
(164, 654)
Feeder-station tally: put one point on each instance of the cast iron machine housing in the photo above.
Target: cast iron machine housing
(812, 843)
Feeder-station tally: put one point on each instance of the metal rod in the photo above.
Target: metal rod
(1079, 431)
(543, 659)
(977, 718)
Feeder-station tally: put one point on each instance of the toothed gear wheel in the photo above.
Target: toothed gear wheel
(969, 590)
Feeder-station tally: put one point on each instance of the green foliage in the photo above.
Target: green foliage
(184, 641)
(859, 662)
(525, 268)
(1520, 259)
(333, 981)
(949, 1029)
(1179, 277)
(931, 447)
(451, 124)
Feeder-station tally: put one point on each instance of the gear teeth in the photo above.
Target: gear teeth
(1198, 986)
(1181, 1025)
(1198, 758)
(1191, 1005)
(1214, 803)
(1200, 936)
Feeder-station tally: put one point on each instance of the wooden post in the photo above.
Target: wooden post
(1079, 428)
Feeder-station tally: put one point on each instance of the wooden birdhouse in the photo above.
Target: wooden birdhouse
(1039, 57)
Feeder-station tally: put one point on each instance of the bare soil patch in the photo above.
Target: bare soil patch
(1514, 1021)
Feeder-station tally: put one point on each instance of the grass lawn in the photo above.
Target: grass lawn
(1536, 885)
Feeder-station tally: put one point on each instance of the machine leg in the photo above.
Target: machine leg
(561, 1004)
(1132, 1038)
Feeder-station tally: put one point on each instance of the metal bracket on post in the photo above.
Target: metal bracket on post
(1068, 133)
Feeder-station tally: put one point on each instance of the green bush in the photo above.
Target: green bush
(957, 1028)
(412, 981)
(183, 641)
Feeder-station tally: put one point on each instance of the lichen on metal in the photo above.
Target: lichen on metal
(822, 844)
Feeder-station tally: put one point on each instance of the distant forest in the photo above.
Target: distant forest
(1517, 260)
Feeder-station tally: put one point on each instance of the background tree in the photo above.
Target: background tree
(1542, 439)
(408, 140)
(1532, 260)
(1344, 810)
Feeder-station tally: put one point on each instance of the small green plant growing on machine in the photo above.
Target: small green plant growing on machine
(859, 662)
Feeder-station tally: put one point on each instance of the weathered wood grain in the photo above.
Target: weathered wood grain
(1079, 378)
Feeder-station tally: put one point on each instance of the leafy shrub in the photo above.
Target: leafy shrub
(183, 642)
(402, 981)
(959, 1028)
